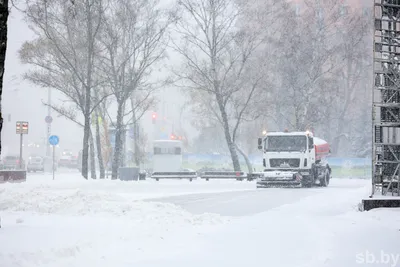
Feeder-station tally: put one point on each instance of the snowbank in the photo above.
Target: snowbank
(91, 223)
(83, 203)
(105, 198)
(135, 189)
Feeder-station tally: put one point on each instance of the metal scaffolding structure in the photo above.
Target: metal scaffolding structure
(386, 98)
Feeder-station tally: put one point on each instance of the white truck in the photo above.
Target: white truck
(292, 159)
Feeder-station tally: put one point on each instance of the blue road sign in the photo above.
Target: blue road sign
(53, 140)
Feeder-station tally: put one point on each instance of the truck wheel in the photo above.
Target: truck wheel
(325, 180)
(307, 182)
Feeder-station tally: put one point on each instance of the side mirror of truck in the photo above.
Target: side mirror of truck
(259, 143)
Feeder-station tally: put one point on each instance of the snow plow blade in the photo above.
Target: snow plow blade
(14, 176)
(387, 202)
(174, 175)
(223, 175)
(254, 176)
(278, 179)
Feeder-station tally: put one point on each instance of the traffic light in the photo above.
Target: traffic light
(154, 117)
(172, 137)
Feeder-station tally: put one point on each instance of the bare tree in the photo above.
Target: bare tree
(306, 65)
(63, 54)
(134, 40)
(217, 56)
(3, 47)
(320, 65)
(351, 34)
(139, 136)
(98, 145)
(106, 148)
(92, 157)
(99, 118)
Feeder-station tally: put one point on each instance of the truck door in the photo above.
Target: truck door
(311, 152)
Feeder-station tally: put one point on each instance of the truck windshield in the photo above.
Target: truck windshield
(285, 143)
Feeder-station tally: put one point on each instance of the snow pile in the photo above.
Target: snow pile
(135, 189)
(74, 224)
(86, 203)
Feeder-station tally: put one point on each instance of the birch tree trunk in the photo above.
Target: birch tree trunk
(99, 148)
(92, 157)
(228, 137)
(85, 149)
(88, 88)
(137, 148)
(246, 158)
(118, 143)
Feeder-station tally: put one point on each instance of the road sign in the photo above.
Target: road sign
(48, 119)
(18, 127)
(53, 140)
(22, 127)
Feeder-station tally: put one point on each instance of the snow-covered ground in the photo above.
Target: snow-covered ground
(73, 222)
(66, 183)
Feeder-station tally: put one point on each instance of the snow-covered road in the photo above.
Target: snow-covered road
(102, 223)
(250, 202)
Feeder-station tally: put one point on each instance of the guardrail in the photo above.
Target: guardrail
(240, 176)
(12, 176)
(174, 175)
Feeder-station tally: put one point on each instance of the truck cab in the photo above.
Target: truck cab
(288, 151)
(293, 158)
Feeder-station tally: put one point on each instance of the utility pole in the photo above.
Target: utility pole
(20, 150)
(48, 148)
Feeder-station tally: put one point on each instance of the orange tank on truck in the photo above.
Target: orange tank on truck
(322, 148)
